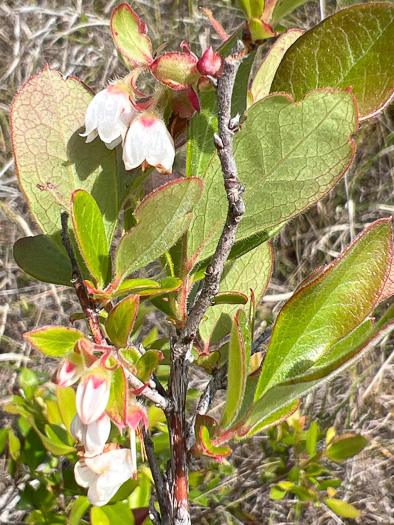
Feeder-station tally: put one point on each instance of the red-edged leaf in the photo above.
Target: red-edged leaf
(55, 341)
(176, 70)
(117, 404)
(120, 320)
(128, 32)
(330, 307)
(147, 364)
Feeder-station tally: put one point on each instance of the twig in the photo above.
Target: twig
(182, 344)
(162, 494)
(260, 340)
(77, 282)
(205, 402)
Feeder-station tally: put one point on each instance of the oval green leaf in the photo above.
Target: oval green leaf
(43, 259)
(120, 320)
(52, 160)
(90, 234)
(329, 308)
(163, 217)
(350, 48)
(55, 341)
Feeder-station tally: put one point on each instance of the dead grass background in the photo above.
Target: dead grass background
(73, 36)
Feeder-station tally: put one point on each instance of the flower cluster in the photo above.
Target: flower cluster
(116, 114)
(103, 466)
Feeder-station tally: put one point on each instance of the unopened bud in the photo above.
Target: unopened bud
(70, 370)
(211, 63)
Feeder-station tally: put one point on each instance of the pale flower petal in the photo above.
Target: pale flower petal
(108, 115)
(93, 436)
(92, 396)
(148, 139)
(84, 476)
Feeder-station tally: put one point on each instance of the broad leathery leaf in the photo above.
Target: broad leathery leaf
(90, 234)
(342, 508)
(238, 366)
(78, 509)
(329, 308)
(54, 445)
(265, 74)
(230, 298)
(128, 32)
(66, 401)
(55, 341)
(350, 48)
(147, 364)
(275, 418)
(289, 155)
(163, 217)
(120, 320)
(52, 160)
(201, 129)
(98, 517)
(281, 395)
(283, 8)
(118, 513)
(176, 70)
(43, 259)
(346, 446)
(168, 284)
(251, 271)
(117, 404)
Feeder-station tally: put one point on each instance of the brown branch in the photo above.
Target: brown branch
(182, 344)
(161, 490)
(87, 305)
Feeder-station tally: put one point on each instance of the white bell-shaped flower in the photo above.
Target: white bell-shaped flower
(93, 395)
(94, 436)
(104, 474)
(109, 115)
(148, 142)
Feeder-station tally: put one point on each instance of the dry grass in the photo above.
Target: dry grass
(73, 36)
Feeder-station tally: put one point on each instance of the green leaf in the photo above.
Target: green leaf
(14, 445)
(168, 284)
(99, 517)
(43, 259)
(117, 404)
(238, 366)
(329, 308)
(55, 341)
(277, 492)
(346, 446)
(53, 444)
(52, 160)
(251, 271)
(280, 395)
(79, 508)
(350, 48)
(311, 151)
(141, 495)
(163, 217)
(283, 8)
(265, 74)
(230, 298)
(118, 513)
(311, 438)
(28, 382)
(342, 508)
(147, 364)
(90, 233)
(120, 320)
(129, 36)
(66, 401)
(3, 438)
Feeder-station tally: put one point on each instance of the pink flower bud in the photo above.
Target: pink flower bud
(211, 63)
(70, 370)
(136, 413)
(93, 395)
